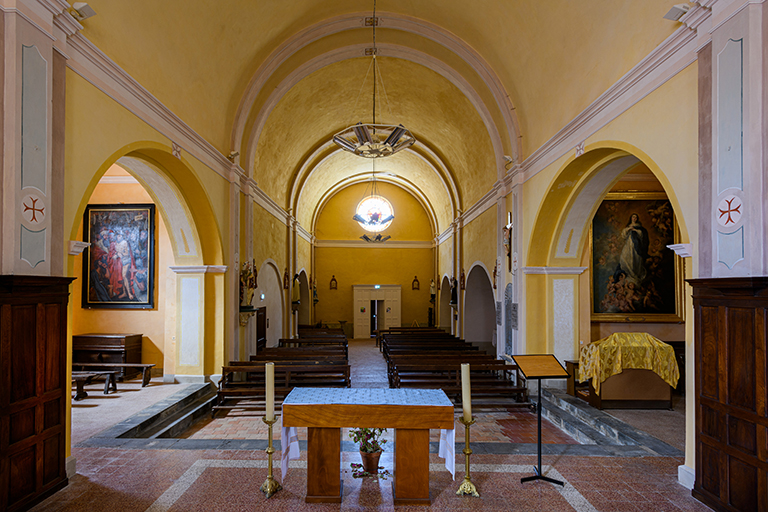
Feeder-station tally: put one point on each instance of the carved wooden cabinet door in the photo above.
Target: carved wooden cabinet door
(34, 388)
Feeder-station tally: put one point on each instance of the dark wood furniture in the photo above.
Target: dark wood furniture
(108, 348)
(411, 423)
(82, 378)
(34, 388)
(730, 332)
(145, 368)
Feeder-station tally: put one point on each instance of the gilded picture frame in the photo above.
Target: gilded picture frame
(119, 265)
(634, 276)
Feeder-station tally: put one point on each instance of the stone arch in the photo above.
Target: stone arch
(479, 315)
(394, 21)
(197, 256)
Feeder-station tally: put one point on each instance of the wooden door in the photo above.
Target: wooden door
(731, 320)
(261, 329)
(33, 388)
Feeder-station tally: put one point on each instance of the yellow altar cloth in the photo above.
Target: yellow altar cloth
(609, 356)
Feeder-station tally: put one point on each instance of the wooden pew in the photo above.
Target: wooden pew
(287, 376)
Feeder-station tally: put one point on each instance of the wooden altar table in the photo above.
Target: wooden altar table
(325, 411)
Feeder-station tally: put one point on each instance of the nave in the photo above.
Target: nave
(219, 464)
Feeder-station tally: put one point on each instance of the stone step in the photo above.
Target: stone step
(581, 417)
(164, 413)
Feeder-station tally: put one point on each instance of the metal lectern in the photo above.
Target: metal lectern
(539, 367)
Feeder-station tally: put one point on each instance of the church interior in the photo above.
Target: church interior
(203, 190)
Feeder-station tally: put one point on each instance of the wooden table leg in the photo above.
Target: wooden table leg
(80, 390)
(323, 465)
(411, 482)
(145, 376)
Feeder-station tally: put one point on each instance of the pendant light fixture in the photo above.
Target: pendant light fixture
(372, 140)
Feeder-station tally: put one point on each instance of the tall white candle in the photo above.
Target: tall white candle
(270, 378)
(466, 395)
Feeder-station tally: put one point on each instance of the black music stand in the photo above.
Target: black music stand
(539, 367)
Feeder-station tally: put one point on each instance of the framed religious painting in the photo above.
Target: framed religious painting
(635, 277)
(119, 265)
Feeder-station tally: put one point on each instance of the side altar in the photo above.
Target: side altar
(411, 412)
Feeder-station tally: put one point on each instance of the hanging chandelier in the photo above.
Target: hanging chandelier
(372, 140)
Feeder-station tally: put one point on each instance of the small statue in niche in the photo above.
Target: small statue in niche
(296, 293)
(432, 291)
(247, 283)
(286, 281)
(461, 279)
(454, 303)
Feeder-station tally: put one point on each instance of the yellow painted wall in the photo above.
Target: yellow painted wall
(445, 258)
(270, 237)
(91, 149)
(304, 256)
(372, 266)
(150, 323)
(479, 241)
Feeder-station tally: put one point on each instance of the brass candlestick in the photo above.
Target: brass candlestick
(467, 487)
(270, 485)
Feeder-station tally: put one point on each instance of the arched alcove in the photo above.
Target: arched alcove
(444, 305)
(305, 307)
(480, 310)
(269, 295)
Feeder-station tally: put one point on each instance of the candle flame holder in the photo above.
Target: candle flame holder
(467, 487)
(270, 485)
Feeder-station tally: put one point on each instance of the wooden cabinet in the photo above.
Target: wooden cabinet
(108, 348)
(33, 388)
(731, 327)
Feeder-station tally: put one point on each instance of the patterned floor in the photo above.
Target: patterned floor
(196, 474)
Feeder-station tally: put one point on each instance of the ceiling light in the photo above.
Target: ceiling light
(372, 140)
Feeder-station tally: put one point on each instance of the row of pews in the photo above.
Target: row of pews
(431, 358)
(318, 358)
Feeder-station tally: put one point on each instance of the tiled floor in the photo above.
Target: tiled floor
(144, 478)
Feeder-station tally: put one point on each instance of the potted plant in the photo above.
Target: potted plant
(370, 443)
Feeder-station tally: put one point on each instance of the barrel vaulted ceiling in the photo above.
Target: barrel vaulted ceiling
(473, 81)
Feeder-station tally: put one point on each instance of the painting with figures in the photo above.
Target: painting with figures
(634, 275)
(118, 266)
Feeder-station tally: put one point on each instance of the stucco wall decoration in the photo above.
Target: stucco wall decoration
(34, 157)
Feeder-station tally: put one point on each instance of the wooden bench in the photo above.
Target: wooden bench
(83, 378)
(287, 376)
(146, 368)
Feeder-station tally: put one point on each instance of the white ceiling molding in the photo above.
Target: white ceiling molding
(199, 269)
(118, 180)
(362, 244)
(262, 199)
(303, 233)
(489, 200)
(668, 59)
(388, 20)
(558, 271)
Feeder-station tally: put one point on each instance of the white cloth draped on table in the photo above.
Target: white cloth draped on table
(446, 449)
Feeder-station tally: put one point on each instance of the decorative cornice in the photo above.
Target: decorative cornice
(487, 201)
(67, 24)
(303, 233)
(200, 269)
(262, 199)
(682, 250)
(44, 31)
(445, 235)
(390, 244)
(55, 7)
(77, 247)
(562, 271)
(93, 65)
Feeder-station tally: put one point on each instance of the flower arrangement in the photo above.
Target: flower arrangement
(368, 439)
